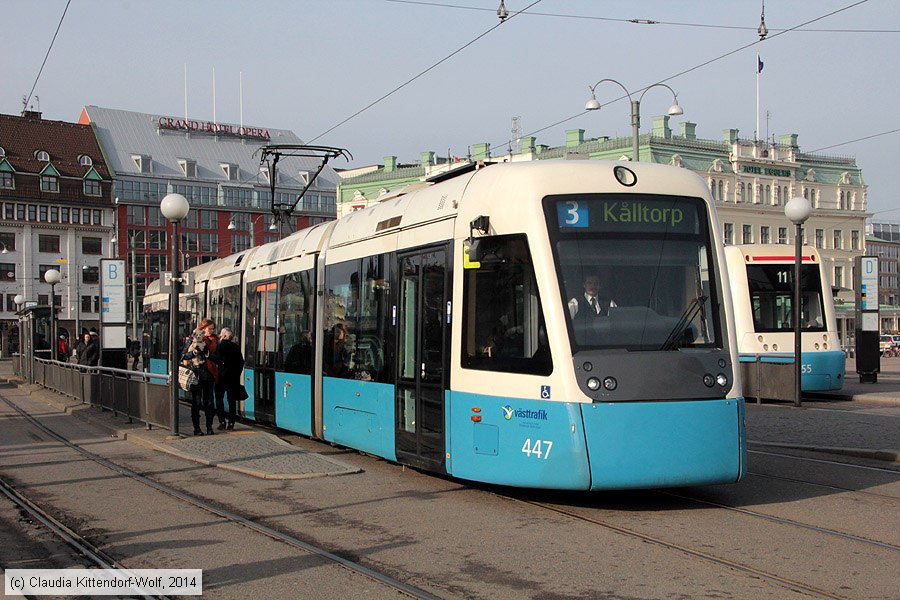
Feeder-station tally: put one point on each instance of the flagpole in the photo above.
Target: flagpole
(757, 96)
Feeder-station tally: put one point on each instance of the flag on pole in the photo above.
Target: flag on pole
(759, 64)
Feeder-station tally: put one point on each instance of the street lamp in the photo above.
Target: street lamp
(76, 304)
(20, 300)
(52, 277)
(797, 210)
(674, 110)
(175, 208)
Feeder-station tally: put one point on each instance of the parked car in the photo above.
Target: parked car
(886, 345)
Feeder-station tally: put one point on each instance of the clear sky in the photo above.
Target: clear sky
(310, 64)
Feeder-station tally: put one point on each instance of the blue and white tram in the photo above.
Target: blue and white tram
(434, 329)
(762, 284)
(469, 363)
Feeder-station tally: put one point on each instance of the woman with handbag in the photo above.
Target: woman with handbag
(200, 354)
(231, 366)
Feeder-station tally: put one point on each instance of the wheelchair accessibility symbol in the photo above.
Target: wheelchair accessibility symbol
(545, 392)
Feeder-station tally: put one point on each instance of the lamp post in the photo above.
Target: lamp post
(175, 208)
(20, 300)
(797, 210)
(52, 277)
(674, 110)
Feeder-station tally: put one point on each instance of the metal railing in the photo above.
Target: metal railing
(134, 394)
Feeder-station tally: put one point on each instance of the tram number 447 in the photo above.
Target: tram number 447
(537, 448)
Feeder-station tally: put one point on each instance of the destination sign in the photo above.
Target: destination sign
(629, 214)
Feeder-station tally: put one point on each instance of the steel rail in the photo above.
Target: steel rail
(228, 515)
(71, 539)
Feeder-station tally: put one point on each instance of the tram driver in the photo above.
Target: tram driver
(591, 303)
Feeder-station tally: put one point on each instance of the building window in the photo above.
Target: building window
(747, 234)
(43, 213)
(6, 180)
(156, 263)
(712, 187)
(156, 218)
(854, 240)
(136, 215)
(85, 161)
(839, 276)
(209, 242)
(239, 242)
(90, 275)
(765, 237)
(48, 243)
(8, 240)
(838, 239)
(729, 233)
(42, 155)
(86, 304)
(782, 235)
(54, 214)
(91, 245)
(98, 216)
(208, 219)
(820, 238)
(92, 187)
(156, 240)
(769, 194)
(9, 211)
(7, 271)
(11, 303)
(49, 183)
(137, 239)
(721, 195)
(76, 215)
(241, 221)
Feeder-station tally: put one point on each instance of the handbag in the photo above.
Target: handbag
(240, 392)
(187, 378)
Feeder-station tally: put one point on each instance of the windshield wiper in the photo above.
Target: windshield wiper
(674, 340)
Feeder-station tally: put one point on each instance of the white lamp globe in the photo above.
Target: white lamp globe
(174, 207)
(797, 210)
(52, 276)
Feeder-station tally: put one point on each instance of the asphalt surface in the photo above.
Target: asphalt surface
(861, 420)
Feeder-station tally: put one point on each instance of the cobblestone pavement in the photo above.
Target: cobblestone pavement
(256, 453)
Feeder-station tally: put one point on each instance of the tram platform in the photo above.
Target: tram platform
(863, 420)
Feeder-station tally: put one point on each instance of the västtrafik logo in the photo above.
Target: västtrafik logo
(523, 413)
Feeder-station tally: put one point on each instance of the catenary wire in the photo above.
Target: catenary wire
(46, 56)
(636, 21)
(415, 77)
(703, 64)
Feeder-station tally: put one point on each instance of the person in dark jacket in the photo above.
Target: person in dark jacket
(201, 355)
(231, 365)
(91, 355)
(81, 345)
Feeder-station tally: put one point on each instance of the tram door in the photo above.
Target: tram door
(266, 347)
(422, 361)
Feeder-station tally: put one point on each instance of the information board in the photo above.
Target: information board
(113, 281)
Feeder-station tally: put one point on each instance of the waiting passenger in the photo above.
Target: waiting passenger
(231, 365)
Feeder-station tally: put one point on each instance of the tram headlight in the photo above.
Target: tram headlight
(817, 345)
(610, 383)
(587, 366)
(775, 347)
(722, 379)
(593, 384)
(722, 363)
(709, 380)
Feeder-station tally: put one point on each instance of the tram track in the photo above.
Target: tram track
(71, 539)
(792, 584)
(206, 506)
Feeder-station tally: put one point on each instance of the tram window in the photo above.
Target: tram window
(341, 313)
(503, 322)
(771, 289)
(374, 320)
(295, 329)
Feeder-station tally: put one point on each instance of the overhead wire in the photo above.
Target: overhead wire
(868, 137)
(703, 64)
(46, 56)
(432, 67)
(635, 21)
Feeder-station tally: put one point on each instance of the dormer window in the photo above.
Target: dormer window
(42, 155)
(7, 175)
(92, 183)
(143, 162)
(304, 177)
(264, 171)
(230, 170)
(2, 152)
(50, 179)
(188, 167)
(85, 161)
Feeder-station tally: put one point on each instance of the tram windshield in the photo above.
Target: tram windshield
(636, 271)
(771, 292)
